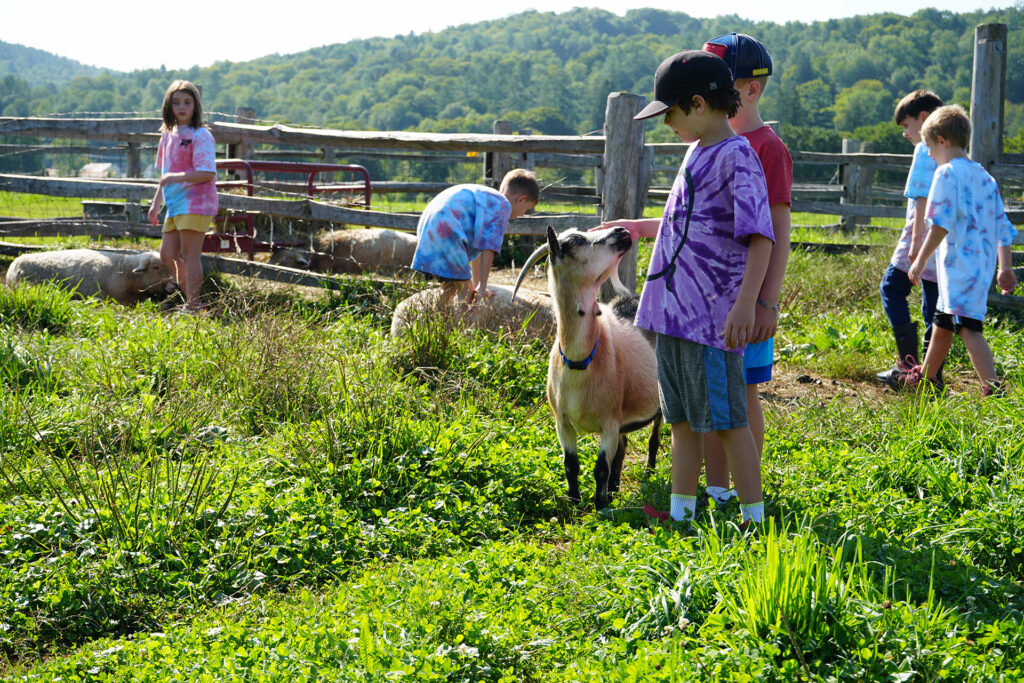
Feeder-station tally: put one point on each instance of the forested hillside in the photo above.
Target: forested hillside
(40, 67)
(553, 72)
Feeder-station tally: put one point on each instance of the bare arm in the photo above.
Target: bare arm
(739, 324)
(766, 320)
(638, 227)
(1005, 278)
(481, 267)
(931, 243)
(193, 177)
(154, 206)
(918, 228)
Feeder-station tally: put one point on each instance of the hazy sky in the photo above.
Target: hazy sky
(127, 35)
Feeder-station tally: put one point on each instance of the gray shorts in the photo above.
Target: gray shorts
(701, 385)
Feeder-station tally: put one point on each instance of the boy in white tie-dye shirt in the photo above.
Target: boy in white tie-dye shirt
(969, 228)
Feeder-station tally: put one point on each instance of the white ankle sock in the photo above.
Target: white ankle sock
(753, 512)
(682, 507)
(720, 494)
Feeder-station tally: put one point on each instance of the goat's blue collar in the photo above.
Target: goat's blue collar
(577, 364)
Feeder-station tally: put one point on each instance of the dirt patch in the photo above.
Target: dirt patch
(793, 387)
(790, 387)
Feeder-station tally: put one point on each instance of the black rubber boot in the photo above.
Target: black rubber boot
(906, 352)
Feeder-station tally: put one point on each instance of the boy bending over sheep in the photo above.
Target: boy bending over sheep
(462, 229)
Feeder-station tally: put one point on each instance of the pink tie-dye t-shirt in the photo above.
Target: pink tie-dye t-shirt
(187, 149)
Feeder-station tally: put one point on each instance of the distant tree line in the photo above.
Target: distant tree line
(553, 72)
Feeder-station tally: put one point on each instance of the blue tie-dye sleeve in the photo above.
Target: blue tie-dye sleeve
(1004, 228)
(942, 199)
(922, 170)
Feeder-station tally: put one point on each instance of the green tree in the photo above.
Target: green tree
(864, 103)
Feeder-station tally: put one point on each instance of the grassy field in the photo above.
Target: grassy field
(284, 492)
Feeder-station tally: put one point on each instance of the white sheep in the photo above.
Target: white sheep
(122, 275)
(602, 371)
(495, 313)
(355, 250)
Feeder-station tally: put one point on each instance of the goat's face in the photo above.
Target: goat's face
(582, 259)
(579, 262)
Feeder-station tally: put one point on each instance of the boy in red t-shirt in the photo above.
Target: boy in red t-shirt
(751, 66)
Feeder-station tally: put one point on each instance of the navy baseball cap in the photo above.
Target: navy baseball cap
(745, 56)
(684, 74)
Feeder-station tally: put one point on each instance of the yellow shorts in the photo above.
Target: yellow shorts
(187, 221)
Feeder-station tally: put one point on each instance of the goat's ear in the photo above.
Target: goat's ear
(554, 252)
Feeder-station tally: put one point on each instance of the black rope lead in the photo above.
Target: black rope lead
(670, 270)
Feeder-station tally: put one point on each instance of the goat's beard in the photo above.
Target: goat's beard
(613, 277)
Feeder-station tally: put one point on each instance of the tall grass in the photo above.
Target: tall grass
(282, 490)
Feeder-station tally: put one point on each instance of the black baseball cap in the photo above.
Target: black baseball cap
(746, 56)
(684, 74)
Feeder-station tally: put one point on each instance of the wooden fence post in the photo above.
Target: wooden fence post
(849, 175)
(988, 87)
(865, 181)
(627, 168)
(497, 164)
(133, 163)
(526, 159)
(242, 150)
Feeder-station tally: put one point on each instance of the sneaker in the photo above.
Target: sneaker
(658, 517)
(663, 520)
(750, 528)
(994, 389)
(915, 378)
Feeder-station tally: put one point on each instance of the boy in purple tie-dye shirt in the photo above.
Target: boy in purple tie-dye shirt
(710, 257)
(462, 229)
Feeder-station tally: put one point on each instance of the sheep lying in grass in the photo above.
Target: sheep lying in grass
(122, 275)
(495, 313)
(602, 372)
(356, 250)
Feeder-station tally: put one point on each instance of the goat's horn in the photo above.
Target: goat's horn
(539, 253)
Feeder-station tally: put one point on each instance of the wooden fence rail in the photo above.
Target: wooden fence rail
(307, 209)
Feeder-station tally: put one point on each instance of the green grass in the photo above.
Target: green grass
(24, 205)
(283, 492)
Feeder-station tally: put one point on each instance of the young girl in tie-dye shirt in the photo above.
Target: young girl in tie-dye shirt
(186, 158)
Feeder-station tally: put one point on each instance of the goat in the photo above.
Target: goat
(602, 371)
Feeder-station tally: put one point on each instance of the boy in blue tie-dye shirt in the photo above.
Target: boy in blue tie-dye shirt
(462, 229)
(970, 230)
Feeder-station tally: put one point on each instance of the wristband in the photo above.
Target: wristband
(762, 303)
